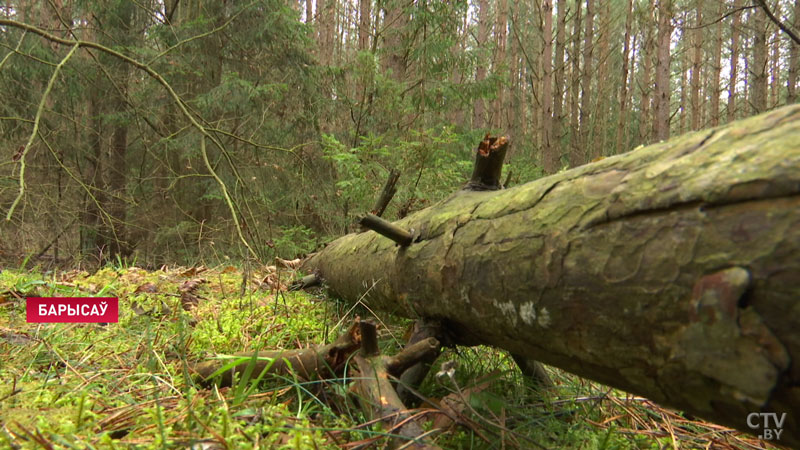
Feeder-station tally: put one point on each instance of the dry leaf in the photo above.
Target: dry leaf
(191, 285)
(192, 271)
(272, 281)
(189, 301)
(453, 407)
(148, 288)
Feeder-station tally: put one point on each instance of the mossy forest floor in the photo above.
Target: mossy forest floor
(127, 385)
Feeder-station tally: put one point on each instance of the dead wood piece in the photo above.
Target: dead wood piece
(369, 338)
(387, 229)
(306, 282)
(454, 407)
(309, 363)
(376, 395)
(389, 189)
(488, 164)
(380, 401)
(412, 377)
(413, 354)
(507, 183)
(534, 371)
(291, 264)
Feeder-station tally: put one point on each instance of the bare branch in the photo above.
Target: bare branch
(178, 100)
(35, 131)
(778, 22)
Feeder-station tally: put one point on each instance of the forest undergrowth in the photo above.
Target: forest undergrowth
(128, 384)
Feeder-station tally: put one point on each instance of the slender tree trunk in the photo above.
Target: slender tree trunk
(794, 61)
(320, 28)
(364, 24)
(535, 74)
(479, 113)
(525, 104)
(574, 95)
(500, 59)
(94, 229)
(747, 78)
(662, 91)
(455, 113)
(734, 61)
(331, 30)
(604, 90)
(517, 115)
(646, 86)
(549, 153)
(775, 73)
(716, 68)
(111, 177)
(394, 29)
(758, 67)
(586, 84)
(118, 180)
(697, 59)
(626, 139)
(685, 74)
(623, 90)
(559, 76)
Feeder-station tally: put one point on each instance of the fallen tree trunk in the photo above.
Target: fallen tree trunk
(672, 271)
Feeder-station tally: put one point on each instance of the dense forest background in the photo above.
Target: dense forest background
(201, 130)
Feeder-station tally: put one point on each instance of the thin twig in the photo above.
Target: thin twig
(160, 79)
(778, 22)
(16, 50)
(35, 131)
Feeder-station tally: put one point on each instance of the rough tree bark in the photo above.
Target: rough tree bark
(623, 90)
(500, 59)
(794, 61)
(559, 71)
(586, 85)
(661, 99)
(758, 68)
(364, 26)
(734, 61)
(716, 68)
(672, 271)
(574, 92)
(550, 156)
(478, 114)
(697, 60)
(646, 61)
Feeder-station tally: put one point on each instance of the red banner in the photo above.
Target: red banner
(72, 309)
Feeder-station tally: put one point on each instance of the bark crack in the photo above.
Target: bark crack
(701, 205)
(607, 220)
(458, 226)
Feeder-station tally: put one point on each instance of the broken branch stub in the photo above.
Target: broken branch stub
(387, 229)
(389, 189)
(488, 164)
